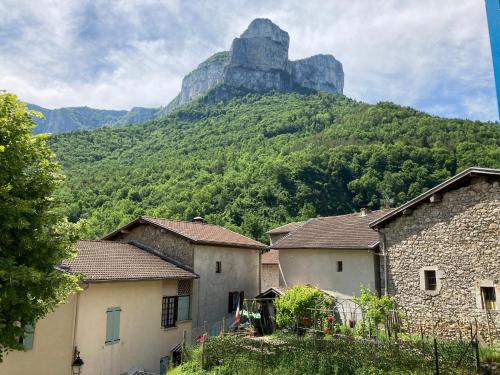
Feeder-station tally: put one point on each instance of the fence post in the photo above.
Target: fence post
(475, 345)
(261, 357)
(183, 345)
(436, 356)
(203, 353)
(223, 324)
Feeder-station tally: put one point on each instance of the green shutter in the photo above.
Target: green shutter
(183, 308)
(112, 325)
(116, 325)
(29, 334)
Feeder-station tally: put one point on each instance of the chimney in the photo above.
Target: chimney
(198, 219)
(364, 211)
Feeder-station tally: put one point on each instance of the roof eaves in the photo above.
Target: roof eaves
(469, 171)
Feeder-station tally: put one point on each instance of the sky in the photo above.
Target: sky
(433, 55)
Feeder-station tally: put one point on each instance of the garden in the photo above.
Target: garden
(315, 338)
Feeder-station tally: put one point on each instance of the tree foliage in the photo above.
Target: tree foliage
(33, 238)
(259, 161)
(295, 304)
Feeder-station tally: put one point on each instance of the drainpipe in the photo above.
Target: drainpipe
(384, 255)
(75, 317)
(260, 271)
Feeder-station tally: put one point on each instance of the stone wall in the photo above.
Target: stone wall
(169, 244)
(270, 276)
(459, 238)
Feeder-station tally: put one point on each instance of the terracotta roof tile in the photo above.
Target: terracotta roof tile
(286, 228)
(202, 233)
(271, 257)
(109, 260)
(334, 232)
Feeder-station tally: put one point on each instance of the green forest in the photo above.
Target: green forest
(261, 160)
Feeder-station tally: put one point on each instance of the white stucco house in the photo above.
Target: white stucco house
(338, 254)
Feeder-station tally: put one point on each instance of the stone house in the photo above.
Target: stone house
(228, 263)
(120, 320)
(337, 253)
(441, 254)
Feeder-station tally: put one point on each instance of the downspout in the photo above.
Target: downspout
(260, 271)
(384, 255)
(75, 317)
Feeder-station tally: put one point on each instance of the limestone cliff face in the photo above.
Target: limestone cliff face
(258, 62)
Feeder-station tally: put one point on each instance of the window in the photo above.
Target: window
(234, 299)
(430, 280)
(174, 309)
(218, 267)
(168, 312)
(27, 338)
(488, 297)
(340, 266)
(112, 325)
(183, 308)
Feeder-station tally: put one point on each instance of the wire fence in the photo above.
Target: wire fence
(340, 340)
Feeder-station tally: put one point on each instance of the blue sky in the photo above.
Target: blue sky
(430, 54)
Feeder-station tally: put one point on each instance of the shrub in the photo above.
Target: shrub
(294, 305)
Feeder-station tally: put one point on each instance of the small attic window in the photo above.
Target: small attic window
(340, 266)
(218, 267)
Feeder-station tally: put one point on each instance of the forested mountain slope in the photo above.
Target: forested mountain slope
(261, 160)
(71, 119)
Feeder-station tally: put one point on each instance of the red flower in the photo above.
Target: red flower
(327, 330)
(330, 318)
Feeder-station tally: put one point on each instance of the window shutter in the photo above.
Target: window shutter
(116, 325)
(29, 333)
(183, 308)
(109, 326)
(112, 325)
(230, 303)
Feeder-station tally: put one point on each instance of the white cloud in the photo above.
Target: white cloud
(432, 54)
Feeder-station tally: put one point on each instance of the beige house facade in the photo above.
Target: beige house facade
(338, 254)
(228, 263)
(441, 255)
(118, 322)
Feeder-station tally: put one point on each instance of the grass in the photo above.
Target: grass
(287, 354)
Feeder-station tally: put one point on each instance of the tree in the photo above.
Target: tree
(34, 238)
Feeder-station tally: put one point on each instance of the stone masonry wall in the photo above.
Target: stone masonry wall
(162, 240)
(270, 276)
(458, 237)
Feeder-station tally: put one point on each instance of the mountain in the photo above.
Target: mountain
(70, 119)
(258, 62)
(260, 160)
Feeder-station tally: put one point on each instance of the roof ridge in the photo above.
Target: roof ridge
(180, 221)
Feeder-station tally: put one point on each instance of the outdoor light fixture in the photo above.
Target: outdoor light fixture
(77, 364)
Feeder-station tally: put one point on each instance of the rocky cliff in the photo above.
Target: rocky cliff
(258, 62)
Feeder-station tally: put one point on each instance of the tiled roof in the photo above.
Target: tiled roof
(201, 233)
(334, 232)
(271, 257)
(455, 182)
(111, 261)
(286, 228)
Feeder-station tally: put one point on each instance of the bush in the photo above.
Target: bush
(293, 306)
